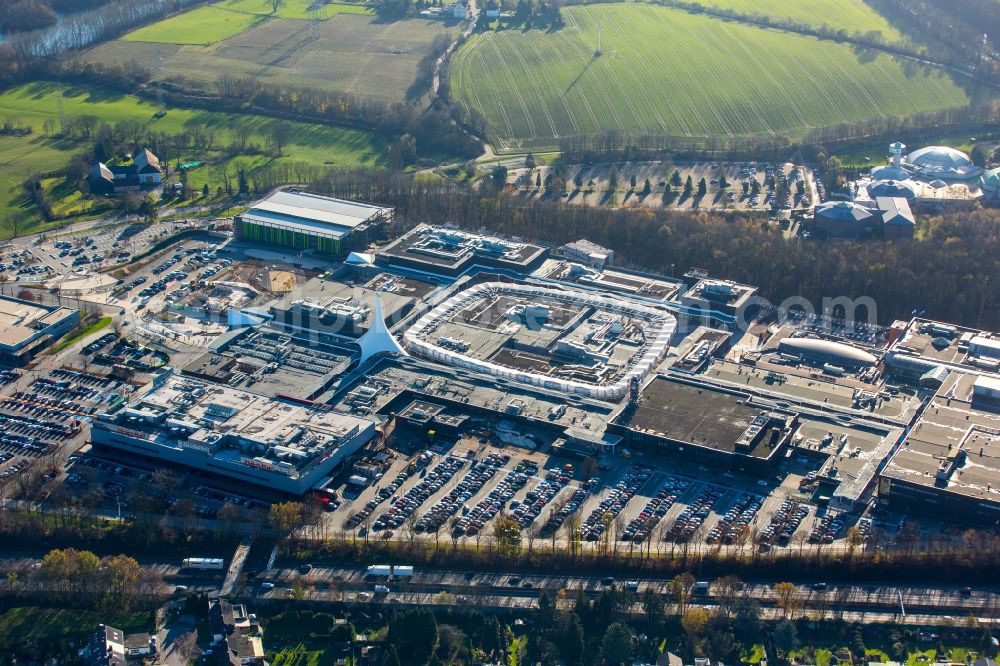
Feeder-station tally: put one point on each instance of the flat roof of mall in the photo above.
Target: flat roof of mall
(921, 342)
(286, 432)
(610, 279)
(338, 296)
(950, 420)
(456, 385)
(17, 318)
(698, 414)
(406, 247)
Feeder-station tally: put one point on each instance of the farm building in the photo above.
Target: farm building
(303, 221)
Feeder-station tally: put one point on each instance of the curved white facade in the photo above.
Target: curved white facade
(661, 328)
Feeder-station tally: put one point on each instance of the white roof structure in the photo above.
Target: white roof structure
(943, 162)
(661, 326)
(830, 348)
(318, 208)
(360, 259)
(378, 339)
(889, 172)
(313, 214)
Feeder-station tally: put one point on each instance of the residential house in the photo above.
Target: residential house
(144, 173)
(140, 645)
(244, 650)
(107, 647)
(238, 630)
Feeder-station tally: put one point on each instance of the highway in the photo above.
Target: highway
(871, 602)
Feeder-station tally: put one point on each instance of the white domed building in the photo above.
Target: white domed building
(942, 162)
(890, 172)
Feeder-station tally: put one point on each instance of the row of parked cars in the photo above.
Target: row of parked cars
(736, 521)
(228, 498)
(640, 527)
(474, 519)
(14, 469)
(475, 478)
(100, 343)
(594, 525)
(403, 507)
(571, 506)
(784, 522)
(694, 515)
(826, 530)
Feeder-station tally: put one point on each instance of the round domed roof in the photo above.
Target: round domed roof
(843, 211)
(890, 172)
(906, 189)
(943, 162)
(938, 155)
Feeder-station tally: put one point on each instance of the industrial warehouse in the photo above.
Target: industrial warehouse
(303, 221)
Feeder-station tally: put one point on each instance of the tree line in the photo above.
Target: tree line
(22, 15)
(969, 23)
(614, 144)
(25, 54)
(951, 271)
(81, 579)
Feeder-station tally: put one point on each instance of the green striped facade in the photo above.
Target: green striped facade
(295, 240)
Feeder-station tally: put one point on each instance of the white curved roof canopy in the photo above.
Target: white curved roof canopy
(830, 348)
(662, 326)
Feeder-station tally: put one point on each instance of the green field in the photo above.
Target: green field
(293, 9)
(300, 655)
(350, 52)
(208, 25)
(24, 626)
(204, 25)
(670, 72)
(35, 153)
(854, 16)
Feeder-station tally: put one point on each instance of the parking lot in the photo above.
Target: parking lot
(459, 491)
(44, 413)
(94, 249)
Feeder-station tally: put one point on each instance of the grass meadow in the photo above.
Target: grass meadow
(347, 49)
(204, 25)
(33, 103)
(667, 71)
